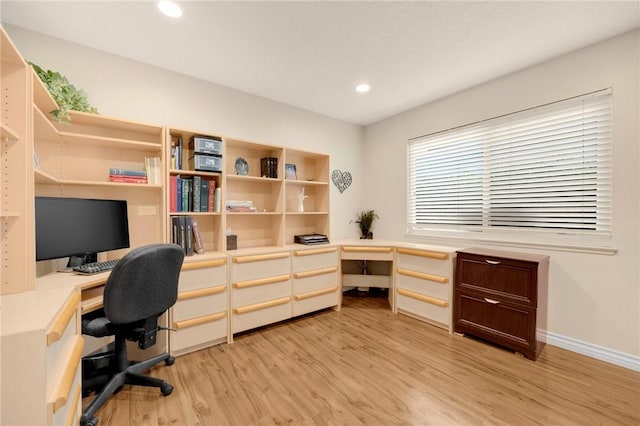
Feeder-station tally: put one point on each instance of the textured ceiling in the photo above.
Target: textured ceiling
(312, 54)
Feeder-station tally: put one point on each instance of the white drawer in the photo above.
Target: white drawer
(241, 296)
(319, 258)
(198, 333)
(314, 301)
(245, 268)
(424, 263)
(438, 315)
(203, 274)
(425, 287)
(197, 303)
(317, 281)
(65, 380)
(366, 253)
(252, 316)
(68, 414)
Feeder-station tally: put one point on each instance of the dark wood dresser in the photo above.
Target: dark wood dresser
(501, 297)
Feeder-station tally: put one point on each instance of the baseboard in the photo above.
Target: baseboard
(594, 351)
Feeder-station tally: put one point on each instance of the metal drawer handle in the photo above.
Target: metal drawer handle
(493, 302)
(492, 262)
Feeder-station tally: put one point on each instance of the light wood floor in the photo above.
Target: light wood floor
(364, 365)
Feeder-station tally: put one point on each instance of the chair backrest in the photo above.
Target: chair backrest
(143, 284)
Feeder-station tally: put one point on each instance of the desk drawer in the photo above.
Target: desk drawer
(257, 291)
(63, 392)
(246, 268)
(311, 301)
(198, 332)
(197, 303)
(433, 285)
(436, 263)
(432, 310)
(259, 314)
(203, 274)
(311, 259)
(367, 253)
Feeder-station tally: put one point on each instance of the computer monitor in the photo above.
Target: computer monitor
(79, 228)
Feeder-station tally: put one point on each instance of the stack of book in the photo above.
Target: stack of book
(127, 175)
(269, 167)
(185, 231)
(240, 206)
(154, 173)
(193, 194)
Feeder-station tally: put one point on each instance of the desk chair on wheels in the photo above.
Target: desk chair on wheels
(142, 286)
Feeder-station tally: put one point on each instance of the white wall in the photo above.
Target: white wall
(593, 298)
(131, 90)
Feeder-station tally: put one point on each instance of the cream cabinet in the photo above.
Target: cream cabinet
(424, 282)
(315, 279)
(260, 289)
(200, 314)
(41, 356)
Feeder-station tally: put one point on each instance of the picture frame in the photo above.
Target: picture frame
(290, 171)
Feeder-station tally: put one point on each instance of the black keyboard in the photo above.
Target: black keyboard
(96, 267)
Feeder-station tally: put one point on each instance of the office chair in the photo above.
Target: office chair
(141, 287)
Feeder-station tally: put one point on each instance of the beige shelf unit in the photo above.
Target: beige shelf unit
(265, 226)
(75, 160)
(16, 197)
(211, 223)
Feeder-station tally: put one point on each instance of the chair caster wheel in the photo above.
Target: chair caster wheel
(170, 360)
(91, 421)
(166, 389)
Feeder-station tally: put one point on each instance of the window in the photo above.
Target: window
(543, 169)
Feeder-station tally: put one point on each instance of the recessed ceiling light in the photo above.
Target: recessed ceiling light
(362, 88)
(170, 8)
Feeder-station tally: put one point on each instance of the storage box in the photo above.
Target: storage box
(232, 242)
(205, 145)
(205, 163)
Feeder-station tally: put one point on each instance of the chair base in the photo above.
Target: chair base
(131, 375)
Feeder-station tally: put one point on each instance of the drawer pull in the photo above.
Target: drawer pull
(423, 276)
(61, 392)
(205, 264)
(367, 249)
(201, 292)
(74, 405)
(260, 257)
(181, 325)
(492, 301)
(313, 273)
(314, 251)
(492, 262)
(423, 298)
(61, 321)
(261, 281)
(263, 305)
(316, 293)
(423, 253)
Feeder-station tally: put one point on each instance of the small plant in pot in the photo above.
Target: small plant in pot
(365, 220)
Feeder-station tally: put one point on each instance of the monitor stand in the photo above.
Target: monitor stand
(78, 260)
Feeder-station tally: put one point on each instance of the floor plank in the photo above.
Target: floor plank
(365, 365)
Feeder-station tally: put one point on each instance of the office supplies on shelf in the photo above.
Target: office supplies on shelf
(311, 239)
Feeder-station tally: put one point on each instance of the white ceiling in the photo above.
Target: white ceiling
(311, 54)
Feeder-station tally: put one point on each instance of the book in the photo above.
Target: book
(179, 194)
(127, 172)
(186, 194)
(127, 179)
(152, 167)
(173, 193)
(211, 196)
(198, 245)
(188, 235)
(217, 194)
(204, 195)
(195, 194)
(175, 230)
(181, 233)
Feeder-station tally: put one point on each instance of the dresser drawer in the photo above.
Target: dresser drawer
(432, 310)
(259, 314)
(428, 285)
(198, 332)
(501, 278)
(309, 259)
(504, 323)
(255, 291)
(311, 301)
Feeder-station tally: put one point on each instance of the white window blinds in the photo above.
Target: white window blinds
(546, 168)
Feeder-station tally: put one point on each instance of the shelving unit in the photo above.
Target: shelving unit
(211, 223)
(16, 145)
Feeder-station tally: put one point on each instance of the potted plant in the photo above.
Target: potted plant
(365, 220)
(66, 95)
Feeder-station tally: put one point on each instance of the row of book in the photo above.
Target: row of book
(193, 194)
(185, 232)
(269, 167)
(176, 153)
(151, 173)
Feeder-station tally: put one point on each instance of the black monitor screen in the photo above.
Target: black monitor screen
(76, 227)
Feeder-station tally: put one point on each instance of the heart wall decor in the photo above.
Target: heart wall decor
(342, 180)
